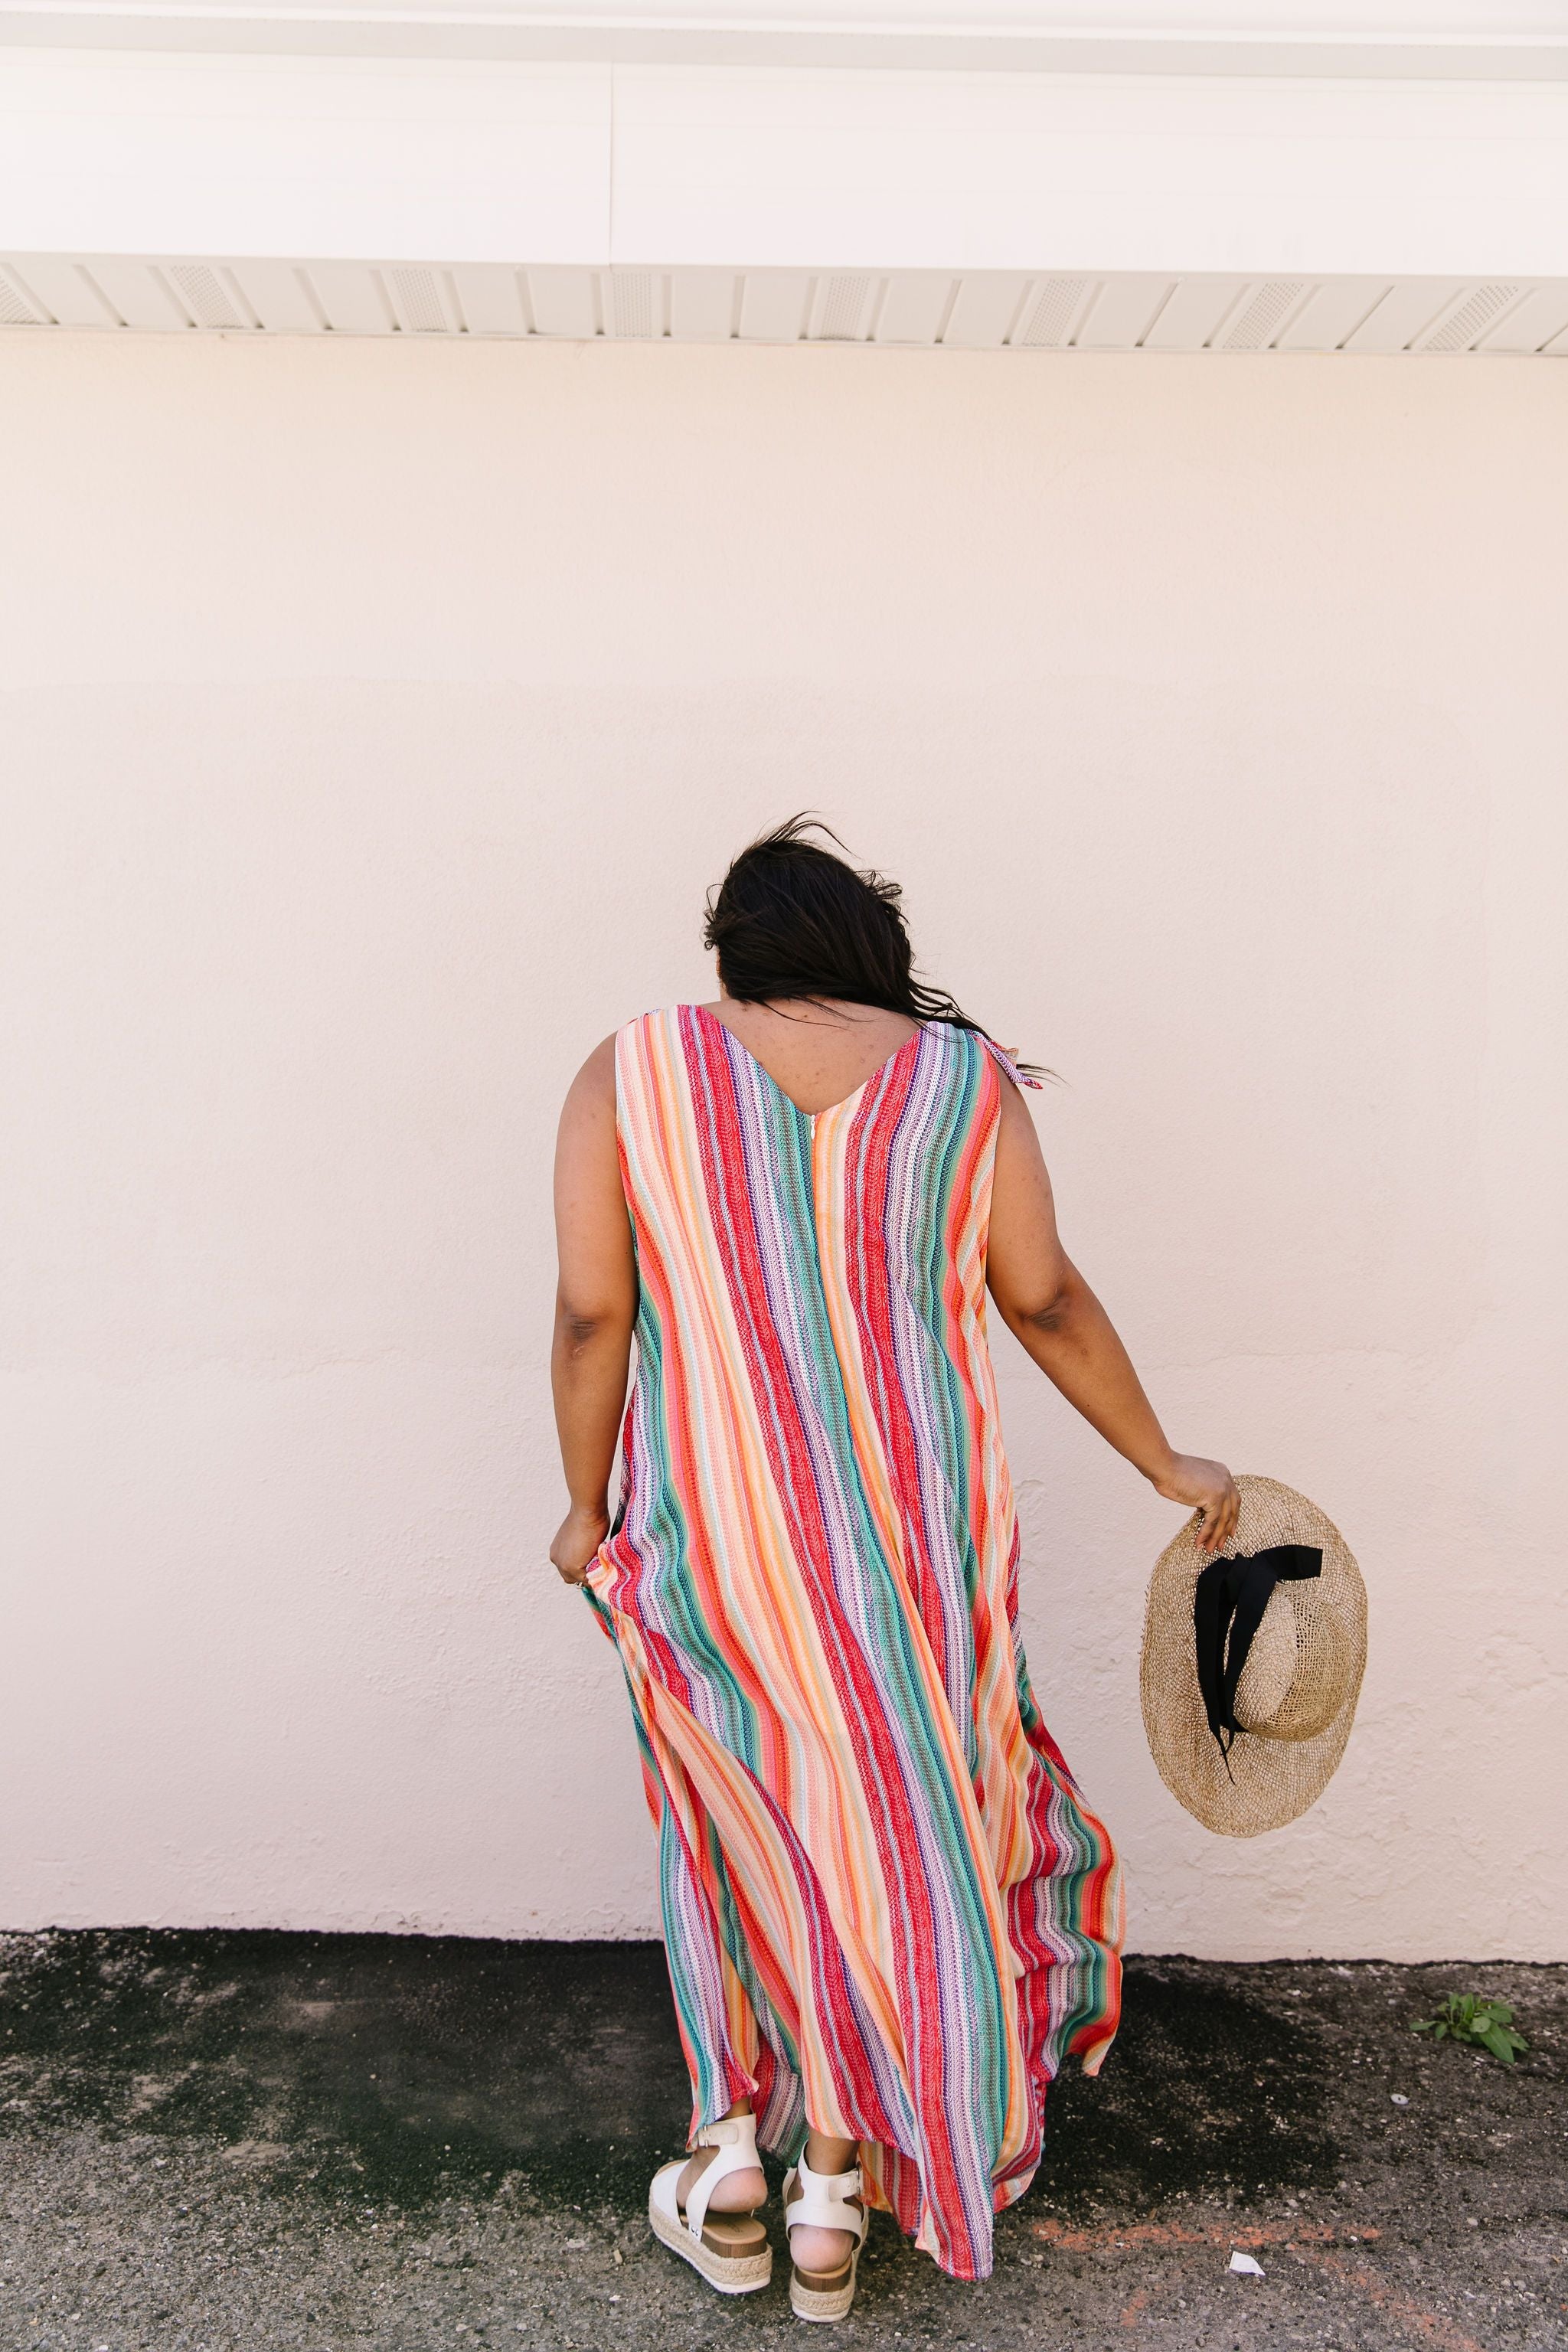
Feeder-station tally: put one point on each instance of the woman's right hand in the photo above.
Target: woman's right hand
(578, 1539)
(1204, 1486)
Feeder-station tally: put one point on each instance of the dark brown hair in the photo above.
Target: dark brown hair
(791, 919)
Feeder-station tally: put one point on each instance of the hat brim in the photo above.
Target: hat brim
(1263, 1783)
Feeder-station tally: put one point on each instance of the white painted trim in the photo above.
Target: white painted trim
(1528, 42)
(1014, 171)
(352, 161)
(1013, 310)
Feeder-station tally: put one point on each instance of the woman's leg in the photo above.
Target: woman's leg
(824, 2251)
(737, 2192)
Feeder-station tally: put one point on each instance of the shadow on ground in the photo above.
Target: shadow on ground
(402, 2067)
(259, 2140)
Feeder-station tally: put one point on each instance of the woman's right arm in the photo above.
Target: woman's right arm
(595, 1308)
(1049, 1308)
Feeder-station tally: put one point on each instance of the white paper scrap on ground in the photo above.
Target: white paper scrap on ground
(1245, 2264)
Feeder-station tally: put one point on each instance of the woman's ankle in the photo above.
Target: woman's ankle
(826, 2156)
(740, 2191)
(811, 2248)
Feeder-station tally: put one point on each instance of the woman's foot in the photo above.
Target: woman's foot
(819, 2254)
(737, 2192)
(814, 2249)
(823, 2256)
(704, 2209)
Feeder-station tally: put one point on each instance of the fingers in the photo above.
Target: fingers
(1220, 1514)
(578, 1544)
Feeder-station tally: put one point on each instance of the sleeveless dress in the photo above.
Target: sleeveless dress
(885, 1904)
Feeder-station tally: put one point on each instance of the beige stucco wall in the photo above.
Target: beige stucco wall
(377, 718)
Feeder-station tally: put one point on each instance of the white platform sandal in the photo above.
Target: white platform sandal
(822, 2200)
(730, 2249)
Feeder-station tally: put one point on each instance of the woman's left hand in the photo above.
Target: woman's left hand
(577, 1539)
(1206, 1487)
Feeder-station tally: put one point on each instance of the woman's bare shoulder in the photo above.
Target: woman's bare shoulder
(595, 1083)
(1018, 1137)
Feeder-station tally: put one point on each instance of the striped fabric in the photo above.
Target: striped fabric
(885, 1904)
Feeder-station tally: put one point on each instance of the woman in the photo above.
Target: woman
(887, 1911)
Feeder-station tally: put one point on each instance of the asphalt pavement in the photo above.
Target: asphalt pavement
(246, 2142)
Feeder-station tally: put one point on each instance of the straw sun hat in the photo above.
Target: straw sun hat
(1252, 1661)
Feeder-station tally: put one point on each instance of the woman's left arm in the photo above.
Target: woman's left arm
(595, 1308)
(1047, 1306)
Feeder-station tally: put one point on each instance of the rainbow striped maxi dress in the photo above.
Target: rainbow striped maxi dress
(885, 1903)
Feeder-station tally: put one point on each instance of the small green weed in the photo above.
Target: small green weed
(1485, 2024)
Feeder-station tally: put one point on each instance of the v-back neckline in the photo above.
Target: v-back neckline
(844, 1101)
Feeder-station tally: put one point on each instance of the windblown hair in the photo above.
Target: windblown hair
(790, 919)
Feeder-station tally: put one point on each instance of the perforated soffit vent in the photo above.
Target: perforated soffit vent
(977, 310)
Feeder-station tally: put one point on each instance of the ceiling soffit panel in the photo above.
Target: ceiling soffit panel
(1065, 313)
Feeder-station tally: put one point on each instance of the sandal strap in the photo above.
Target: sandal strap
(735, 2137)
(823, 2201)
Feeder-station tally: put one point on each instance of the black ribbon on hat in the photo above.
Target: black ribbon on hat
(1228, 1602)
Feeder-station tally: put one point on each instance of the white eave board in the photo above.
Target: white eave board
(341, 160)
(580, 165)
(1126, 173)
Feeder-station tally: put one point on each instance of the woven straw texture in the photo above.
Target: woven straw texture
(1298, 1689)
